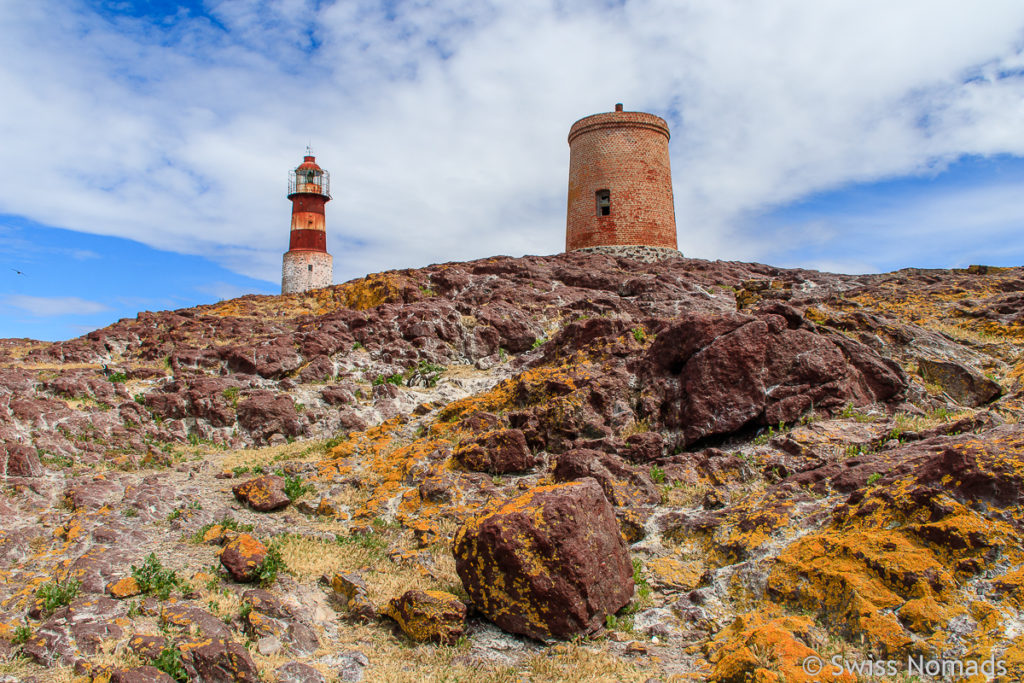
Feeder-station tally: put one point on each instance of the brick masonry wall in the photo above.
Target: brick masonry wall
(625, 153)
(296, 275)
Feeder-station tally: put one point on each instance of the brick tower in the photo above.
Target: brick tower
(620, 186)
(307, 265)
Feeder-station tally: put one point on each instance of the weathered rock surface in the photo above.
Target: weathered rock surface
(549, 563)
(768, 441)
(429, 615)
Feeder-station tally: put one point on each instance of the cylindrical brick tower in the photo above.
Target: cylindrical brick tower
(620, 185)
(307, 265)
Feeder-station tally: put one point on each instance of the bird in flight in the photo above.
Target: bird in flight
(17, 271)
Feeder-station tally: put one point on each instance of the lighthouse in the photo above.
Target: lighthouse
(307, 265)
(620, 186)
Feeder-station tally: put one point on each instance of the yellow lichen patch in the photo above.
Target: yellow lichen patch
(675, 574)
(124, 588)
(767, 647)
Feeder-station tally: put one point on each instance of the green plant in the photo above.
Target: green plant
(245, 609)
(56, 594)
(134, 609)
(294, 488)
(299, 407)
(657, 475)
(140, 399)
(396, 378)
(539, 341)
(875, 476)
(231, 394)
(853, 450)
(21, 635)
(272, 564)
(640, 334)
(153, 577)
(356, 346)
(427, 291)
(239, 470)
(502, 354)
(169, 661)
(258, 469)
(193, 439)
(118, 377)
(174, 514)
(130, 512)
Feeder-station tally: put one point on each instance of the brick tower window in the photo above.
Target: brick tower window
(604, 203)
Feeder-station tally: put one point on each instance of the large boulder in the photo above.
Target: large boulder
(711, 374)
(966, 386)
(548, 563)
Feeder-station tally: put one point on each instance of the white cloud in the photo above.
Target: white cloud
(444, 123)
(51, 306)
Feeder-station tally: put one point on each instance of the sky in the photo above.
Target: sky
(145, 146)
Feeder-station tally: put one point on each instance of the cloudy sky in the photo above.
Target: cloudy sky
(144, 146)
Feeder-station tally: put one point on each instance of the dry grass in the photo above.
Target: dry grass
(270, 455)
(308, 559)
(916, 423)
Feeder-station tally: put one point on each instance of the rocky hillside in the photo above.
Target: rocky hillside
(575, 467)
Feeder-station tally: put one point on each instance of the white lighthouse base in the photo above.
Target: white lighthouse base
(304, 270)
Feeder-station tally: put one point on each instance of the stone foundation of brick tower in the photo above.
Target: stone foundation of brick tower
(620, 184)
(304, 270)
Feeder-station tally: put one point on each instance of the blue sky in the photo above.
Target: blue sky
(144, 146)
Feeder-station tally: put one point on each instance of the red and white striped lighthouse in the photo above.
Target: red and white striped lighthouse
(307, 265)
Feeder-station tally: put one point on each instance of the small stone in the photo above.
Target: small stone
(242, 556)
(636, 648)
(429, 615)
(263, 494)
(124, 588)
(268, 645)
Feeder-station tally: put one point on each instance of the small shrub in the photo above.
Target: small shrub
(118, 377)
(657, 475)
(245, 609)
(357, 346)
(153, 577)
(56, 594)
(239, 470)
(21, 635)
(294, 488)
(140, 399)
(873, 478)
(231, 394)
(272, 564)
(502, 355)
(169, 661)
(130, 512)
(539, 341)
(640, 334)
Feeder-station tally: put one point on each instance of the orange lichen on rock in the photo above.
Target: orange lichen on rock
(242, 557)
(124, 588)
(768, 649)
(428, 615)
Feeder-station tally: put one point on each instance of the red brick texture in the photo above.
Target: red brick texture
(626, 153)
